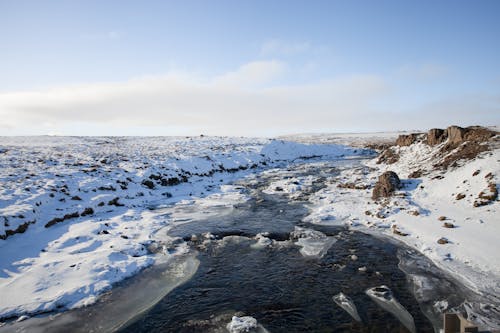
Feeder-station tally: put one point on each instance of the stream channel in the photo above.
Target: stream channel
(300, 277)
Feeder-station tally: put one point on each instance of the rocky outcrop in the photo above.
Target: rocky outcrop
(455, 135)
(386, 185)
(388, 156)
(457, 143)
(436, 136)
(406, 140)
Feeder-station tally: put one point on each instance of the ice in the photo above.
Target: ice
(242, 324)
(312, 243)
(348, 305)
(245, 324)
(262, 241)
(383, 296)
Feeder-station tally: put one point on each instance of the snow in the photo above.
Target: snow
(71, 263)
(137, 189)
(472, 252)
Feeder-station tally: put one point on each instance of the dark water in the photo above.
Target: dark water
(286, 292)
(283, 290)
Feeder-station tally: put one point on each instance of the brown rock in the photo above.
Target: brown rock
(87, 211)
(387, 183)
(479, 134)
(455, 134)
(415, 174)
(388, 156)
(442, 240)
(406, 140)
(436, 136)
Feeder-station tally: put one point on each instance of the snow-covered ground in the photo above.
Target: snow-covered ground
(75, 211)
(436, 205)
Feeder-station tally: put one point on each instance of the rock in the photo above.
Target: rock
(460, 196)
(487, 196)
(148, 183)
(388, 156)
(115, 202)
(398, 232)
(436, 136)
(387, 183)
(61, 219)
(476, 173)
(415, 174)
(455, 134)
(77, 198)
(442, 241)
(353, 186)
(87, 211)
(406, 140)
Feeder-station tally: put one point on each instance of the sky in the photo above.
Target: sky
(246, 67)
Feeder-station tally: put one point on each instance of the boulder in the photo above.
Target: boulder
(387, 183)
(436, 136)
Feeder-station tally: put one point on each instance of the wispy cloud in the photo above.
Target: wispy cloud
(249, 100)
(252, 74)
(222, 105)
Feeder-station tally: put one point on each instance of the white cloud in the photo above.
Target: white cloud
(242, 102)
(253, 73)
(247, 101)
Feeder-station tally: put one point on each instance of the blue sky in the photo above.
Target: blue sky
(246, 67)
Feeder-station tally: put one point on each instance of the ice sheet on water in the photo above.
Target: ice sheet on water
(383, 296)
(245, 324)
(312, 243)
(347, 304)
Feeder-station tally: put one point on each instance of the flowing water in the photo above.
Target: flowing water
(277, 283)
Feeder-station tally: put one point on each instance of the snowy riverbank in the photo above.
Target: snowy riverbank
(76, 212)
(440, 211)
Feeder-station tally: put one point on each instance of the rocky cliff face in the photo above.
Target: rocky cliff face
(458, 143)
